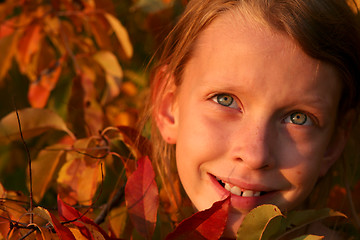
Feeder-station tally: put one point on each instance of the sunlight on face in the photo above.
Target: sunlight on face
(255, 117)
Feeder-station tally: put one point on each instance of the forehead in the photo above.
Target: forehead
(238, 51)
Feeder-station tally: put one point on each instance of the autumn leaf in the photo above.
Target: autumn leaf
(354, 5)
(141, 197)
(69, 213)
(44, 168)
(132, 138)
(207, 224)
(121, 34)
(77, 179)
(8, 50)
(256, 221)
(33, 123)
(309, 237)
(7, 27)
(28, 45)
(113, 73)
(40, 90)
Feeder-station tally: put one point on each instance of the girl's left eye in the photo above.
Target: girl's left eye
(225, 100)
(298, 118)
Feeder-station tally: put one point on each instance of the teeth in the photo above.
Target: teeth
(248, 193)
(237, 191)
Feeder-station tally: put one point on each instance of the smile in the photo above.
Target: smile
(238, 191)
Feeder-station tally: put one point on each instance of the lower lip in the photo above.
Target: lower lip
(243, 203)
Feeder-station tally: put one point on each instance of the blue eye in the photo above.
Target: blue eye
(298, 118)
(225, 100)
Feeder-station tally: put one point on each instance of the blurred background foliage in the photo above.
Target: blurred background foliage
(83, 60)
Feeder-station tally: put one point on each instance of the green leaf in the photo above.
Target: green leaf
(255, 222)
(33, 123)
(304, 217)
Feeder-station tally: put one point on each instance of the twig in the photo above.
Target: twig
(110, 205)
(29, 165)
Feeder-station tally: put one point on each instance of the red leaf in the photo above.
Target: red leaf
(142, 198)
(63, 232)
(69, 213)
(7, 27)
(207, 224)
(132, 138)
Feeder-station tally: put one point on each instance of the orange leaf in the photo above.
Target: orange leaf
(207, 224)
(28, 44)
(39, 91)
(141, 197)
(38, 95)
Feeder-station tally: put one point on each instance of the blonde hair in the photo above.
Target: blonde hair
(325, 30)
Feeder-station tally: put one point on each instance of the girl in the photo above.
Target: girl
(255, 98)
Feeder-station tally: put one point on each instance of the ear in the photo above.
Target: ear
(338, 141)
(166, 109)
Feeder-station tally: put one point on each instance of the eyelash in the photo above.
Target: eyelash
(308, 121)
(232, 101)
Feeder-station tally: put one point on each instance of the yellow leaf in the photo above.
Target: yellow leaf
(121, 34)
(33, 123)
(77, 234)
(44, 167)
(113, 73)
(120, 222)
(79, 179)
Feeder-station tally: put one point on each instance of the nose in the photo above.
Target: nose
(255, 143)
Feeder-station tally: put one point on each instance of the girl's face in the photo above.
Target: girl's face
(254, 117)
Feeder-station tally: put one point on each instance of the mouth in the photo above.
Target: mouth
(239, 191)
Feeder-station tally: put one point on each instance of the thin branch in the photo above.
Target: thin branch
(119, 195)
(29, 165)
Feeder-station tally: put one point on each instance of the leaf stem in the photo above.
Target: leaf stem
(29, 165)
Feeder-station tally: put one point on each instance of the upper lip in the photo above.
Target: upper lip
(256, 187)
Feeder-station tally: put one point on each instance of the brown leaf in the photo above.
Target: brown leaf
(100, 28)
(141, 197)
(8, 49)
(33, 123)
